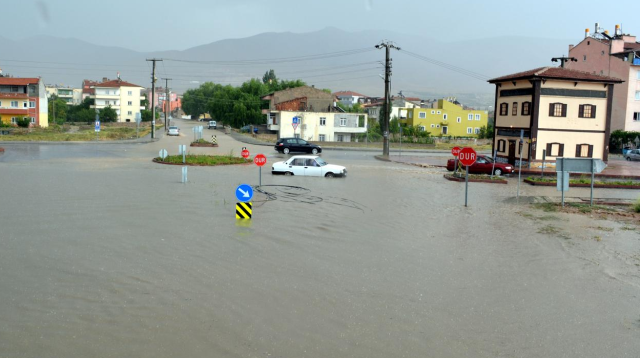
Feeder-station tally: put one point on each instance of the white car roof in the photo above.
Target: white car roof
(305, 156)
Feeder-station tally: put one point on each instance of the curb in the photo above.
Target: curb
(462, 180)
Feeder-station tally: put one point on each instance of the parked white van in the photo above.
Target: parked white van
(212, 124)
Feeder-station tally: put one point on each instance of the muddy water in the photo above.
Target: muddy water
(116, 258)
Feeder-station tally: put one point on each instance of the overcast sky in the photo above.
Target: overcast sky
(148, 25)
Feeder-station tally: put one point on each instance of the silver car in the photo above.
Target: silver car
(632, 155)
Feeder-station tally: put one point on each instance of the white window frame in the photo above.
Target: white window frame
(470, 116)
(130, 93)
(422, 115)
(459, 120)
(433, 112)
(469, 130)
(130, 103)
(638, 75)
(129, 113)
(444, 117)
(476, 130)
(636, 116)
(439, 112)
(32, 104)
(343, 122)
(437, 126)
(637, 95)
(13, 120)
(14, 104)
(25, 104)
(422, 128)
(323, 121)
(340, 138)
(477, 117)
(433, 126)
(33, 120)
(321, 137)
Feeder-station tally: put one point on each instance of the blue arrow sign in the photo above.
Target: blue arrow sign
(296, 120)
(97, 126)
(244, 193)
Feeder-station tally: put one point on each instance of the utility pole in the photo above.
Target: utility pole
(153, 97)
(387, 88)
(564, 60)
(167, 102)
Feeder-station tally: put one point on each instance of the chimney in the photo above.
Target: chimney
(570, 48)
(618, 31)
(104, 79)
(586, 33)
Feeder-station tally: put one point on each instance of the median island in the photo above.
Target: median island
(202, 160)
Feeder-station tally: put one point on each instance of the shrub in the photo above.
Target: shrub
(636, 206)
(23, 122)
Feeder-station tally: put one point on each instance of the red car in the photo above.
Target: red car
(483, 165)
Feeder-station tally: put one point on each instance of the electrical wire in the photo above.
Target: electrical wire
(448, 66)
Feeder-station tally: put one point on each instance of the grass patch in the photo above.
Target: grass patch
(549, 229)
(201, 159)
(628, 228)
(59, 134)
(548, 218)
(636, 206)
(585, 180)
(547, 207)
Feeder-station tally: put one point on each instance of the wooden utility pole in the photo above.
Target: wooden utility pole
(167, 102)
(153, 97)
(387, 89)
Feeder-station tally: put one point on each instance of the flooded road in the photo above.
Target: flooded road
(104, 253)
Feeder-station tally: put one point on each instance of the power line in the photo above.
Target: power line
(448, 66)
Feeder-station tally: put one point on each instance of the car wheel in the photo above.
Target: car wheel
(628, 159)
(498, 172)
(329, 175)
(288, 173)
(286, 151)
(314, 151)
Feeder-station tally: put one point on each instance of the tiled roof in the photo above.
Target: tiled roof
(348, 93)
(558, 73)
(116, 83)
(13, 81)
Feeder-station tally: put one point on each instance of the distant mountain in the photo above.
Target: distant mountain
(329, 58)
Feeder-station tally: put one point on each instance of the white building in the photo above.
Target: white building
(348, 98)
(73, 96)
(123, 97)
(319, 126)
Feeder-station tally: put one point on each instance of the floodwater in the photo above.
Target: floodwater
(109, 255)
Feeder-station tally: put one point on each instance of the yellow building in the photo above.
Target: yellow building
(447, 119)
(23, 97)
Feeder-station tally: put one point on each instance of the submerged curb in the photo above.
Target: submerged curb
(471, 180)
(581, 185)
(157, 160)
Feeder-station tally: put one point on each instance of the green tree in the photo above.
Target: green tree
(82, 112)
(486, 132)
(146, 115)
(57, 109)
(108, 114)
(269, 77)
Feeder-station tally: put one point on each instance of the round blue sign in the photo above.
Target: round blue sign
(244, 193)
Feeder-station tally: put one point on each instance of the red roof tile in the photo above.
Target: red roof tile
(116, 83)
(556, 72)
(13, 81)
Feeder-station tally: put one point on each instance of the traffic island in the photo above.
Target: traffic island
(586, 183)
(201, 160)
(203, 143)
(475, 178)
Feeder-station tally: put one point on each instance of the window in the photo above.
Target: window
(636, 116)
(130, 93)
(106, 103)
(130, 103)
(470, 117)
(445, 130)
(13, 120)
(477, 117)
(587, 111)
(504, 109)
(340, 138)
(25, 104)
(33, 120)
(439, 112)
(422, 114)
(32, 104)
(469, 130)
(637, 96)
(602, 53)
(557, 110)
(526, 108)
(433, 112)
(459, 120)
(343, 122)
(422, 128)
(410, 115)
(514, 109)
(555, 149)
(501, 145)
(437, 126)
(129, 113)
(14, 104)
(584, 150)
(323, 121)
(638, 75)
(476, 130)
(433, 126)
(321, 137)
(444, 116)
(584, 58)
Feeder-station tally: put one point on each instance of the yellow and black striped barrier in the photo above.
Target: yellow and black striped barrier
(243, 210)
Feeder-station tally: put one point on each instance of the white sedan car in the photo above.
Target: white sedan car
(173, 130)
(310, 165)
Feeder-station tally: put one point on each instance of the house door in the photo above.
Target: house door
(512, 152)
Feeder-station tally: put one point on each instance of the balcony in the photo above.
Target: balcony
(339, 129)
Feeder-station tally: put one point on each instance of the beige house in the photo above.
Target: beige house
(122, 96)
(562, 113)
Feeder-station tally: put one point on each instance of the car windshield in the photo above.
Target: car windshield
(321, 162)
(170, 128)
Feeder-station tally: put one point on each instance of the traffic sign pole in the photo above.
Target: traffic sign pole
(467, 156)
(260, 160)
(466, 186)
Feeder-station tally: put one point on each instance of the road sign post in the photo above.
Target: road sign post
(295, 122)
(578, 165)
(260, 160)
(138, 120)
(467, 157)
(244, 194)
(244, 153)
(493, 167)
(455, 151)
(520, 164)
